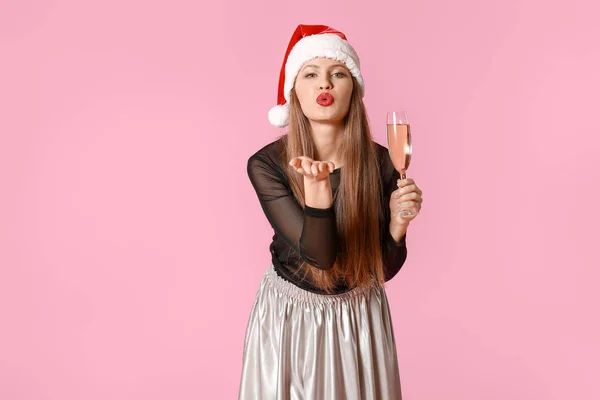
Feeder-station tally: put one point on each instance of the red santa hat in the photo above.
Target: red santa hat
(309, 42)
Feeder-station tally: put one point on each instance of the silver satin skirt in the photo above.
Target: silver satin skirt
(309, 346)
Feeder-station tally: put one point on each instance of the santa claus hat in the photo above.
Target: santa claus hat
(309, 42)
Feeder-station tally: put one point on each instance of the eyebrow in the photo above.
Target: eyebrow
(317, 67)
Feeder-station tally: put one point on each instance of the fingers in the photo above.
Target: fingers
(407, 196)
(306, 164)
(415, 197)
(410, 200)
(404, 182)
(295, 162)
(400, 205)
(408, 185)
(314, 168)
(408, 204)
(409, 193)
(406, 190)
(311, 168)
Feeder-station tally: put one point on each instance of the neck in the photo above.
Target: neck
(328, 139)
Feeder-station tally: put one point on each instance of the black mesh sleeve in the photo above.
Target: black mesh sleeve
(311, 232)
(394, 254)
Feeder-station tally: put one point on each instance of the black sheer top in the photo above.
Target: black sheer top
(308, 233)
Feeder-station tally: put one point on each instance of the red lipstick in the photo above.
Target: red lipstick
(325, 99)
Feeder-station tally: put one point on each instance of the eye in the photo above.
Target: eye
(310, 75)
(339, 74)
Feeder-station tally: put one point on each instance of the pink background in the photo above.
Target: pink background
(132, 243)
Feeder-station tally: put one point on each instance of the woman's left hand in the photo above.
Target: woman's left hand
(408, 195)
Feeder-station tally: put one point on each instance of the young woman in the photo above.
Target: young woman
(320, 326)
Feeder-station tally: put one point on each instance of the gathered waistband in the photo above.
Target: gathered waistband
(296, 293)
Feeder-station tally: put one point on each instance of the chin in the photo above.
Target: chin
(327, 116)
(321, 120)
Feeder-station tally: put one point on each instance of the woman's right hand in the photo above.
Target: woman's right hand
(317, 170)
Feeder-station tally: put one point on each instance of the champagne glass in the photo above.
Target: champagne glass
(400, 147)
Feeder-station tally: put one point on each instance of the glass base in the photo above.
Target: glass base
(406, 213)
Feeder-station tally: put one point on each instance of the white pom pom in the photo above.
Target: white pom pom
(279, 115)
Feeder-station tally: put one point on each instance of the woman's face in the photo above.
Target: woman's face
(319, 76)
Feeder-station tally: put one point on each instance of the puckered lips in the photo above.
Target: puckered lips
(325, 99)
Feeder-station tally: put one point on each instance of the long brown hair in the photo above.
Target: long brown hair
(357, 201)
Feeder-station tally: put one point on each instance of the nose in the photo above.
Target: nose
(325, 83)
